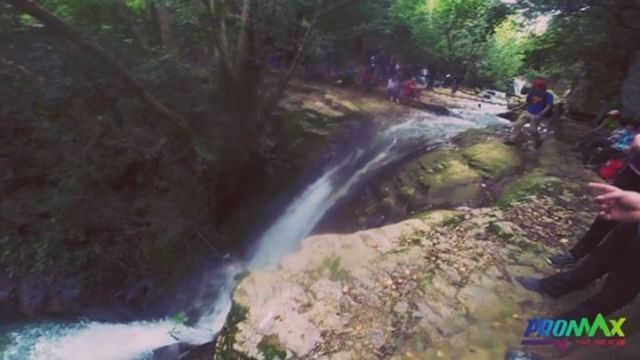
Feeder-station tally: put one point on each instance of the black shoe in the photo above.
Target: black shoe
(561, 260)
(533, 284)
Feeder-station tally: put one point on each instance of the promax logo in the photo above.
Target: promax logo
(556, 332)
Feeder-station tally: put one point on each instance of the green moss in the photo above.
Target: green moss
(180, 318)
(271, 348)
(493, 159)
(224, 347)
(445, 169)
(527, 186)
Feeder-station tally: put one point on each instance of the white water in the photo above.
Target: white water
(302, 216)
(518, 85)
(136, 340)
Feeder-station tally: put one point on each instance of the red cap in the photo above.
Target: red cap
(540, 84)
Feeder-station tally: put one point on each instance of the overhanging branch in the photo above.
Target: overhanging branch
(112, 64)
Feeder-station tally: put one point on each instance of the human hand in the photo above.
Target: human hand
(617, 204)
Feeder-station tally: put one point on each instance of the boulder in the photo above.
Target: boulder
(437, 286)
(494, 159)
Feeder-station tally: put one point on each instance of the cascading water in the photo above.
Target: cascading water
(137, 340)
(518, 85)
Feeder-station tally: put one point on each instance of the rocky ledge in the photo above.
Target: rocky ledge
(439, 285)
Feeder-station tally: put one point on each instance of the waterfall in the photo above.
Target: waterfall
(137, 340)
(518, 85)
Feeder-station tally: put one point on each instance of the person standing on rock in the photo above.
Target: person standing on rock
(628, 179)
(539, 102)
(617, 258)
(393, 89)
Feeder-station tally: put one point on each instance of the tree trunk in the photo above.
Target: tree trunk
(128, 18)
(242, 49)
(165, 20)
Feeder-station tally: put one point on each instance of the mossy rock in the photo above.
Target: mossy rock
(441, 177)
(494, 159)
(526, 186)
(444, 169)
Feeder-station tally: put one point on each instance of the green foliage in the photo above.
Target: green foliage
(592, 40)
(504, 55)
(449, 30)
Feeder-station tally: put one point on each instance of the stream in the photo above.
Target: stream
(84, 339)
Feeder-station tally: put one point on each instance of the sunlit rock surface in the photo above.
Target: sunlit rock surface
(440, 285)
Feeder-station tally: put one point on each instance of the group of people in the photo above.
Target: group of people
(611, 246)
(403, 81)
(610, 144)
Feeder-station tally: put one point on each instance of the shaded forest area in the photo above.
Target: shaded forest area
(137, 134)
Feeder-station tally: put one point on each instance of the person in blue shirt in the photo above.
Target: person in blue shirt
(539, 102)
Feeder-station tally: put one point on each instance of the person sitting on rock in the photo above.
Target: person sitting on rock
(616, 146)
(601, 133)
(628, 179)
(539, 102)
(617, 258)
